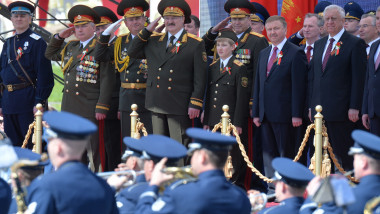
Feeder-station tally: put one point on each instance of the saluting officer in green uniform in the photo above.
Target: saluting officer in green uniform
(111, 127)
(88, 82)
(177, 67)
(133, 72)
(249, 45)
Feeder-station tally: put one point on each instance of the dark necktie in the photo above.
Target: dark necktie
(308, 53)
(271, 60)
(327, 54)
(170, 43)
(222, 67)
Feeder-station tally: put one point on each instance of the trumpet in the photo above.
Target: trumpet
(130, 174)
(258, 201)
(178, 173)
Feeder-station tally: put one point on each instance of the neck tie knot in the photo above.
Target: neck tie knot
(172, 38)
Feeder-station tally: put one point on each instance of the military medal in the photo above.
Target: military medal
(26, 44)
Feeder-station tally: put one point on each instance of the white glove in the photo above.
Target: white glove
(112, 28)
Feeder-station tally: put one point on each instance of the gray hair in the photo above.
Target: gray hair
(335, 7)
(373, 18)
(320, 21)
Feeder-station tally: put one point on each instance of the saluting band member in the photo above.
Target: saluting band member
(26, 75)
(177, 66)
(88, 82)
(132, 71)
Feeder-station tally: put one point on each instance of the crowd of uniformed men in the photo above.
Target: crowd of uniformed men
(179, 80)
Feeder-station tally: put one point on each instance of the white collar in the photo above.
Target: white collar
(86, 42)
(280, 46)
(177, 35)
(337, 36)
(225, 62)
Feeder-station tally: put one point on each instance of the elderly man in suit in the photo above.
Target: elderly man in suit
(279, 93)
(371, 97)
(337, 80)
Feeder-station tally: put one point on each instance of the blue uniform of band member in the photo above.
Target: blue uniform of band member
(26, 75)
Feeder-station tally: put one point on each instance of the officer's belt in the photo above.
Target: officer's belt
(15, 87)
(133, 85)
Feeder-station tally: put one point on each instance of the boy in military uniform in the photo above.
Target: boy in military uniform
(133, 72)
(177, 66)
(228, 84)
(88, 82)
(26, 75)
(110, 144)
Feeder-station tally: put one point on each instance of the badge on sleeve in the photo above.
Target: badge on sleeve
(158, 205)
(31, 208)
(204, 56)
(244, 82)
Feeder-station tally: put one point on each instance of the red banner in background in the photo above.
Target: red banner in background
(270, 5)
(112, 5)
(294, 12)
(44, 4)
(194, 5)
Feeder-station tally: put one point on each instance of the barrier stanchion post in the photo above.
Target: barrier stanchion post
(134, 115)
(225, 119)
(318, 140)
(38, 128)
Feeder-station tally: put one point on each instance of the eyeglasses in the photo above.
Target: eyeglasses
(365, 26)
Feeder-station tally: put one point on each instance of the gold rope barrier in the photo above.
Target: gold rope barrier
(136, 125)
(37, 135)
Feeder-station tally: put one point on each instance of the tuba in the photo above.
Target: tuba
(18, 189)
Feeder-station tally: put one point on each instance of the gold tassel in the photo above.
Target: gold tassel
(228, 168)
(326, 162)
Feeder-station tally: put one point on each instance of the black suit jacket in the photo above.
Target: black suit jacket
(340, 87)
(281, 95)
(371, 97)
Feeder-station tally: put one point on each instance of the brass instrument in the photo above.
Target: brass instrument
(178, 173)
(18, 189)
(130, 174)
(258, 201)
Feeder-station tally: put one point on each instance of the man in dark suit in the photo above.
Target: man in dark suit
(337, 80)
(371, 97)
(88, 82)
(279, 93)
(177, 71)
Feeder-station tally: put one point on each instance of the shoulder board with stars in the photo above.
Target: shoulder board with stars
(214, 62)
(157, 34)
(35, 36)
(181, 182)
(194, 37)
(257, 34)
(238, 63)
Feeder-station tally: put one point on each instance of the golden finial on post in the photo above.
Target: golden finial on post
(38, 128)
(318, 140)
(225, 119)
(134, 115)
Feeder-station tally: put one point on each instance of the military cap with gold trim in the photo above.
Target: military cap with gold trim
(353, 10)
(320, 7)
(132, 8)
(227, 33)
(175, 8)
(261, 14)
(107, 16)
(82, 14)
(239, 8)
(20, 7)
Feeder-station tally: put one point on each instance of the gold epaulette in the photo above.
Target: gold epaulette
(194, 37)
(257, 34)
(157, 34)
(214, 62)
(124, 34)
(303, 42)
(238, 63)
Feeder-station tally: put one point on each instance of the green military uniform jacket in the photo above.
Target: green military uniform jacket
(177, 78)
(247, 51)
(227, 87)
(131, 71)
(88, 82)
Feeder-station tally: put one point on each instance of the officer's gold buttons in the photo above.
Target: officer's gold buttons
(67, 82)
(214, 99)
(76, 85)
(68, 74)
(169, 88)
(171, 71)
(216, 92)
(158, 86)
(127, 71)
(159, 69)
(77, 93)
(158, 77)
(137, 80)
(214, 106)
(216, 85)
(67, 90)
(126, 80)
(170, 79)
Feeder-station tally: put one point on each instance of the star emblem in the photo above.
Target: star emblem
(298, 19)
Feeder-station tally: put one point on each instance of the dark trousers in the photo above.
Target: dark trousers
(341, 141)
(374, 125)
(173, 126)
(92, 156)
(278, 140)
(112, 143)
(16, 126)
